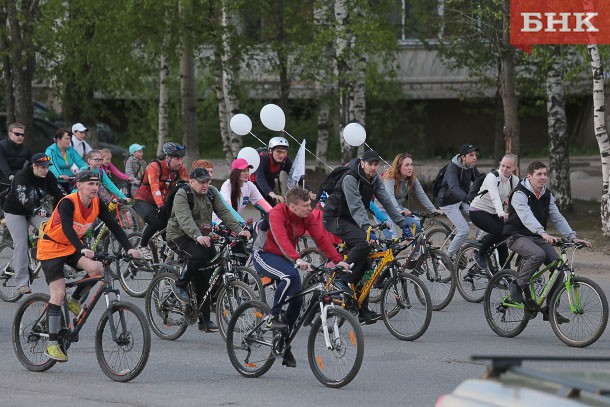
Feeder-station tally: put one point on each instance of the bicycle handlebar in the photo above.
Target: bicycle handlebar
(337, 269)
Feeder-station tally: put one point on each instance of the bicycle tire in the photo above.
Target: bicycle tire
(164, 311)
(226, 303)
(250, 350)
(399, 308)
(436, 270)
(439, 238)
(505, 321)
(589, 322)
(8, 288)
(31, 320)
(129, 219)
(124, 359)
(471, 280)
(305, 242)
(135, 279)
(253, 280)
(344, 359)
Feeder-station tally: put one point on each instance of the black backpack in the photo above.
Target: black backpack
(329, 184)
(165, 212)
(437, 183)
(475, 187)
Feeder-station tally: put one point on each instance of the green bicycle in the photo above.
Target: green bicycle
(579, 300)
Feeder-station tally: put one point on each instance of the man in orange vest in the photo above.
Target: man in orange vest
(62, 244)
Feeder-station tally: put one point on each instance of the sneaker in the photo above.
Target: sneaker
(24, 289)
(180, 293)
(289, 360)
(343, 286)
(208, 326)
(275, 323)
(560, 318)
(480, 260)
(516, 294)
(367, 316)
(74, 306)
(55, 353)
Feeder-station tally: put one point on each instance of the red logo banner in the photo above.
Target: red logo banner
(559, 22)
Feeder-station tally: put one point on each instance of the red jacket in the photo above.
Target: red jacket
(285, 229)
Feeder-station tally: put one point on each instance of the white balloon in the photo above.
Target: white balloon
(354, 134)
(241, 124)
(273, 117)
(251, 155)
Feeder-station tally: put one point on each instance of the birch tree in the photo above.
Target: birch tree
(188, 96)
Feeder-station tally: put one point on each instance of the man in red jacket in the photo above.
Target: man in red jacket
(278, 258)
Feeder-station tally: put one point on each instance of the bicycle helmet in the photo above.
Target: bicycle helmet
(278, 142)
(172, 149)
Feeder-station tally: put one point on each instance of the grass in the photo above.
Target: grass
(585, 219)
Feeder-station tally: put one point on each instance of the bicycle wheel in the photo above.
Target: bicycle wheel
(8, 288)
(164, 311)
(339, 365)
(437, 272)
(406, 307)
(249, 342)
(124, 356)
(439, 238)
(129, 219)
(312, 255)
(589, 318)
(503, 318)
(227, 302)
(305, 242)
(471, 280)
(30, 333)
(251, 278)
(135, 276)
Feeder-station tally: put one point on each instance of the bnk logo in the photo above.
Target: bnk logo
(559, 22)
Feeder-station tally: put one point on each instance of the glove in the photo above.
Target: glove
(406, 231)
(372, 236)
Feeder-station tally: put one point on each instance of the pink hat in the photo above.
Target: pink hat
(240, 164)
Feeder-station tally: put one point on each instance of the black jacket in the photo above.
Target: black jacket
(12, 159)
(28, 191)
(456, 183)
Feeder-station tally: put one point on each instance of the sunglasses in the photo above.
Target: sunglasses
(18, 134)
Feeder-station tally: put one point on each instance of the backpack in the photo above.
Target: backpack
(475, 187)
(165, 212)
(261, 229)
(437, 183)
(329, 184)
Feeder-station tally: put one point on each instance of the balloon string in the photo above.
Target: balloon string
(387, 163)
(261, 141)
(306, 149)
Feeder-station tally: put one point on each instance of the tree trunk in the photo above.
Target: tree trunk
(7, 76)
(163, 103)
(507, 86)
(600, 132)
(323, 18)
(188, 97)
(559, 155)
(323, 133)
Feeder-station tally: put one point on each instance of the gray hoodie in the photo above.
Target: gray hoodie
(456, 182)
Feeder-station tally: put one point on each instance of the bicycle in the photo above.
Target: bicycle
(578, 299)
(335, 347)
(169, 317)
(405, 304)
(122, 337)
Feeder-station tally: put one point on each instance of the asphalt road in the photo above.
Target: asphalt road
(195, 370)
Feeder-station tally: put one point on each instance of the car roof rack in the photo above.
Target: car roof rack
(569, 388)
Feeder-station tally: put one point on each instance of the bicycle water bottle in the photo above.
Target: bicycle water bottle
(366, 277)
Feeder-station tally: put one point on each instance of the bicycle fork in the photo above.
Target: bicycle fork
(323, 317)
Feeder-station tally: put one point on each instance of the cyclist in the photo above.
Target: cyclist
(187, 234)
(275, 255)
(460, 173)
(159, 178)
(487, 208)
(135, 167)
(66, 161)
(531, 205)
(61, 244)
(13, 153)
(107, 188)
(345, 216)
(24, 205)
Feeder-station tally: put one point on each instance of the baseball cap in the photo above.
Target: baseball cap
(135, 147)
(240, 164)
(467, 148)
(200, 174)
(78, 127)
(41, 159)
(370, 156)
(87, 175)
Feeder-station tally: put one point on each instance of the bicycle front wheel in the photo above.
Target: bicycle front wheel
(229, 298)
(439, 237)
(406, 307)
(337, 363)
(251, 278)
(164, 311)
(586, 306)
(249, 342)
(471, 280)
(8, 288)
(437, 272)
(31, 334)
(123, 356)
(503, 316)
(135, 276)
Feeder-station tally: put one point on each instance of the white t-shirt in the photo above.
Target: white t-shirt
(249, 194)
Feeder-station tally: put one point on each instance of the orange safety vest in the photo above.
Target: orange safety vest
(55, 244)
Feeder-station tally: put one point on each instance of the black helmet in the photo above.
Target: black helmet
(173, 149)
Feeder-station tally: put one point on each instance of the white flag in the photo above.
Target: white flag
(298, 168)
